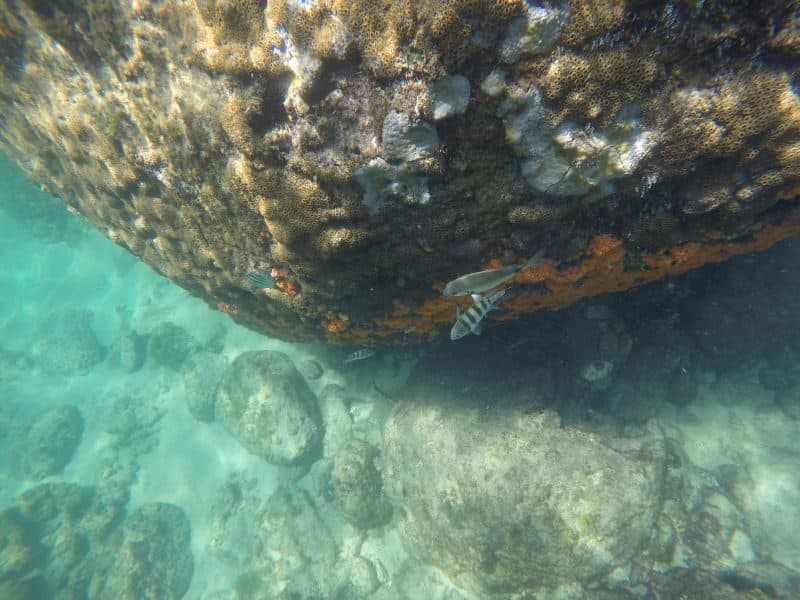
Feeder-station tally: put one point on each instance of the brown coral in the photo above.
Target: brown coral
(591, 18)
(597, 85)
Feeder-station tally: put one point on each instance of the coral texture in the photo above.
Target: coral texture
(365, 153)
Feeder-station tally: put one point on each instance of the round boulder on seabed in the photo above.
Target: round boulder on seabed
(507, 501)
(267, 406)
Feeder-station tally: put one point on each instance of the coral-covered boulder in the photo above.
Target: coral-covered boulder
(268, 407)
(362, 154)
(508, 502)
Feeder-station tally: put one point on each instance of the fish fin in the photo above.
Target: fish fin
(476, 298)
(496, 295)
(534, 260)
(477, 329)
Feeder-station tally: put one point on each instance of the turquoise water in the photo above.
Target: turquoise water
(122, 476)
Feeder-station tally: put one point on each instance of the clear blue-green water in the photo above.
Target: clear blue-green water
(679, 401)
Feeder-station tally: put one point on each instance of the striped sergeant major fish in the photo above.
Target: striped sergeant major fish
(359, 355)
(470, 320)
(260, 279)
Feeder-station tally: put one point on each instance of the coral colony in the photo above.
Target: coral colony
(371, 152)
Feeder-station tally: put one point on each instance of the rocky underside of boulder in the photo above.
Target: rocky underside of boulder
(359, 155)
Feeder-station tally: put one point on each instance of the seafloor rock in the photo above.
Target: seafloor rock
(200, 384)
(507, 502)
(155, 559)
(358, 485)
(66, 344)
(365, 153)
(56, 542)
(682, 582)
(170, 345)
(266, 404)
(289, 553)
(125, 415)
(310, 369)
(131, 351)
(18, 552)
(51, 442)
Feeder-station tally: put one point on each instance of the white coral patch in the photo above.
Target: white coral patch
(570, 160)
(535, 33)
(382, 181)
(450, 96)
(494, 83)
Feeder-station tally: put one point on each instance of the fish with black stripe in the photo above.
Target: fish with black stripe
(470, 320)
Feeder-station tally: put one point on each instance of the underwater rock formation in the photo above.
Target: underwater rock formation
(200, 384)
(507, 502)
(358, 486)
(57, 542)
(264, 402)
(155, 558)
(67, 344)
(51, 442)
(363, 153)
(283, 548)
(170, 345)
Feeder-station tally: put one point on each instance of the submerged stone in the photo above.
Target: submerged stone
(268, 407)
(508, 502)
(67, 344)
(155, 559)
(358, 486)
(52, 441)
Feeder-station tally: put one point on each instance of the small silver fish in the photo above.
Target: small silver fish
(483, 281)
(359, 355)
(260, 279)
(470, 320)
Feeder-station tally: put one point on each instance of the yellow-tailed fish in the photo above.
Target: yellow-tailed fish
(483, 281)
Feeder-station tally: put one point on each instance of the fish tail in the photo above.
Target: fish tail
(496, 295)
(533, 261)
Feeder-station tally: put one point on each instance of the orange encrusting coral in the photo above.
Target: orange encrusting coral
(605, 266)
(335, 325)
(286, 286)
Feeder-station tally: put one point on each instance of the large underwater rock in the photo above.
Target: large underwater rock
(264, 402)
(508, 502)
(364, 153)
